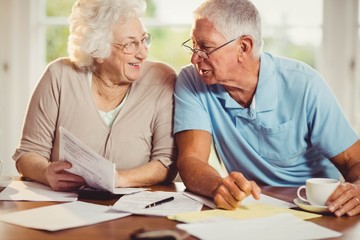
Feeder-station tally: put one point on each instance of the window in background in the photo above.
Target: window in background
(166, 46)
(291, 28)
(170, 24)
(168, 32)
(56, 28)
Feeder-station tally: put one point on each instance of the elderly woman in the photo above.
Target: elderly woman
(108, 96)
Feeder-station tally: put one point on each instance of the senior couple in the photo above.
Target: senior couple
(273, 121)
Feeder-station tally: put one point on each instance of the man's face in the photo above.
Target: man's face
(220, 65)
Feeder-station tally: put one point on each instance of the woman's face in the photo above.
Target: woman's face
(128, 50)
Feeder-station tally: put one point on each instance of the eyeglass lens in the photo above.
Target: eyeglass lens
(133, 47)
(201, 53)
(191, 50)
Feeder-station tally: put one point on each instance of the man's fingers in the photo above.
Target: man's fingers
(345, 200)
(356, 209)
(242, 183)
(256, 190)
(223, 203)
(233, 189)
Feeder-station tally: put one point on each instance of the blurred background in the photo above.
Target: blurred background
(323, 33)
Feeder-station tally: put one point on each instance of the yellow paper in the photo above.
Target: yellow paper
(244, 212)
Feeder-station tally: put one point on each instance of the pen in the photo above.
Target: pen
(169, 199)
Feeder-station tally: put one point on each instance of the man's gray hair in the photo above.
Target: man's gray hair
(233, 18)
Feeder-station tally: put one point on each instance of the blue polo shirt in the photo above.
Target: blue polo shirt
(287, 137)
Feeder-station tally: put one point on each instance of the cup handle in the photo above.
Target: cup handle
(299, 193)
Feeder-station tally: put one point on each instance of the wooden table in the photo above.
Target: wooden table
(123, 227)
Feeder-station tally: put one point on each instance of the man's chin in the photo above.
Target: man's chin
(209, 81)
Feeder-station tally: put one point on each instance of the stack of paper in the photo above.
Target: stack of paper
(249, 211)
(135, 203)
(283, 226)
(264, 199)
(97, 171)
(32, 191)
(63, 216)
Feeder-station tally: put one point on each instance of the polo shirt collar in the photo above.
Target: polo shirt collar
(220, 92)
(266, 92)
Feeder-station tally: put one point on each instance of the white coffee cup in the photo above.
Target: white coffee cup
(318, 190)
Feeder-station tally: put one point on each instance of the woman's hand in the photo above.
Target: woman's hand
(233, 189)
(61, 180)
(345, 200)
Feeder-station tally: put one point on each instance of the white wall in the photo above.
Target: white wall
(17, 72)
(340, 53)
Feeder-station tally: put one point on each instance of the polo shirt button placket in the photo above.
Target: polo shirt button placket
(252, 114)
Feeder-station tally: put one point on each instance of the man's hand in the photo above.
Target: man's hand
(60, 180)
(233, 189)
(345, 200)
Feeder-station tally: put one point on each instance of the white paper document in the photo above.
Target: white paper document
(32, 191)
(282, 226)
(62, 216)
(264, 199)
(97, 171)
(135, 203)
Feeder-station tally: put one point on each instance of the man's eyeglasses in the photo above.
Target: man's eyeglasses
(133, 47)
(202, 53)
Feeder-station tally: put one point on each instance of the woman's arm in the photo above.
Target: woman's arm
(53, 174)
(147, 174)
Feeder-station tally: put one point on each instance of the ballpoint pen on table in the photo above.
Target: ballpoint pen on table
(159, 202)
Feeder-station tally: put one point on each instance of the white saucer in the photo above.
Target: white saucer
(310, 208)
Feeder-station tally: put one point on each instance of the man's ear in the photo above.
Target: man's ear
(246, 46)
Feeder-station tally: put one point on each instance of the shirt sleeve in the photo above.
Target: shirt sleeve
(190, 105)
(164, 147)
(330, 130)
(40, 121)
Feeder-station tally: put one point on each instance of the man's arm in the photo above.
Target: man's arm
(194, 150)
(346, 198)
(348, 162)
(198, 176)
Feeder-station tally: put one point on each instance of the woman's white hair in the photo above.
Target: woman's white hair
(233, 18)
(91, 23)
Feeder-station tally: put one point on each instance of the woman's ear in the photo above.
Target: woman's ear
(99, 60)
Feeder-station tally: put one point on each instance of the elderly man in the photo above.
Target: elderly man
(273, 120)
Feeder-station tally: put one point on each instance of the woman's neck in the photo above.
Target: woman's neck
(107, 94)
